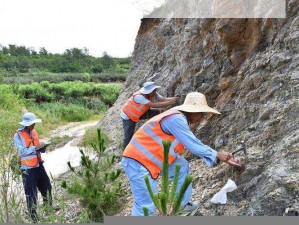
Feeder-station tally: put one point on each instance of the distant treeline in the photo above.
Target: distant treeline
(16, 60)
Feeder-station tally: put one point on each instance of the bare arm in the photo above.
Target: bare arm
(161, 104)
(162, 99)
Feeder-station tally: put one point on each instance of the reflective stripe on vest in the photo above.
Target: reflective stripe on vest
(133, 109)
(146, 145)
(32, 159)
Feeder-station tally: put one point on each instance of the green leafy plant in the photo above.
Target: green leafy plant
(167, 202)
(96, 183)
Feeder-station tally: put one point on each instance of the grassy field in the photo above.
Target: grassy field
(56, 104)
(59, 89)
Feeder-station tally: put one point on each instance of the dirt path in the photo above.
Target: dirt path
(56, 160)
(74, 129)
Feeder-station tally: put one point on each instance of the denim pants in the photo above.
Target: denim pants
(129, 125)
(33, 179)
(136, 173)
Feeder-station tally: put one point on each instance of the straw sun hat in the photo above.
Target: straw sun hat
(196, 102)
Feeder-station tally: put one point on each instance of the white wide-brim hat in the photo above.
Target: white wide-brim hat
(148, 87)
(196, 102)
(29, 119)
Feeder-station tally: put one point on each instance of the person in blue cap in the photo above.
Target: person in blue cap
(139, 107)
(34, 176)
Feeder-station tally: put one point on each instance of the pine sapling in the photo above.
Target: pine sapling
(168, 202)
(96, 183)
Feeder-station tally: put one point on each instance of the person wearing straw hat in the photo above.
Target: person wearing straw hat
(34, 176)
(139, 107)
(143, 156)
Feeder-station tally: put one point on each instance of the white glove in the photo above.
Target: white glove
(220, 197)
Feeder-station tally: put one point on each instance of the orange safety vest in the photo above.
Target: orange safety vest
(32, 159)
(133, 109)
(146, 145)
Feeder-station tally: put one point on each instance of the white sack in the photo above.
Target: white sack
(220, 197)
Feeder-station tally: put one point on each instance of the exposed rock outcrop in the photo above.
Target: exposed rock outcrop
(249, 71)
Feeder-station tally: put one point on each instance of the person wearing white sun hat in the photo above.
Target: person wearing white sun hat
(139, 107)
(143, 156)
(34, 176)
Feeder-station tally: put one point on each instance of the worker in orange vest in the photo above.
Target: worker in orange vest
(139, 105)
(34, 176)
(143, 156)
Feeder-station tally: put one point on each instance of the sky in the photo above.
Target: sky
(57, 25)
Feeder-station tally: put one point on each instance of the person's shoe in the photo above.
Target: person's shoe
(51, 209)
(190, 206)
(56, 208)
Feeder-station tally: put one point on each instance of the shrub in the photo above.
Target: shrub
(86, 77)
(45, 84)
(108, 77)
(35, 91)
(96, 183)
(96, 104)
(98, 68)
(40, 76)
(107, 93)
(1, 76)
(58, 89)
(9, 100)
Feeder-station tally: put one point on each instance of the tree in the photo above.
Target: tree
(167, 202)
(12, 50)
(96, 183)
(43, 51)
(1, 76)
(85, 51)
(32, 51)
(97, 68)
(23, 64)
(107, 61)
(5, 50)
(18, 50)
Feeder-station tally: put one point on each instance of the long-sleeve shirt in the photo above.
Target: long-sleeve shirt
(177, 125)
(22, 148)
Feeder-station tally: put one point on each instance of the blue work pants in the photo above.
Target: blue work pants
(136, 173)
(33, 179)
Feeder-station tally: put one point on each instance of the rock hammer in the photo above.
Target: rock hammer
(242, 148)
(234, 162)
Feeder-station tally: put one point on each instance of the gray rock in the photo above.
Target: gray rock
(248, 69)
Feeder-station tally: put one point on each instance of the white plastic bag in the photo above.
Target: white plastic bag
(220, 197)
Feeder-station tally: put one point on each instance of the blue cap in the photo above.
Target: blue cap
(148, 87)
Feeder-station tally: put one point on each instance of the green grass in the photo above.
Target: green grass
(55, 104)
(53, 115)
(91, 136)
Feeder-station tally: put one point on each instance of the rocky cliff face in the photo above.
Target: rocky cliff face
(249, 71)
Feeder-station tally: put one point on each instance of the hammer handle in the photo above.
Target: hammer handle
(234, 152)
